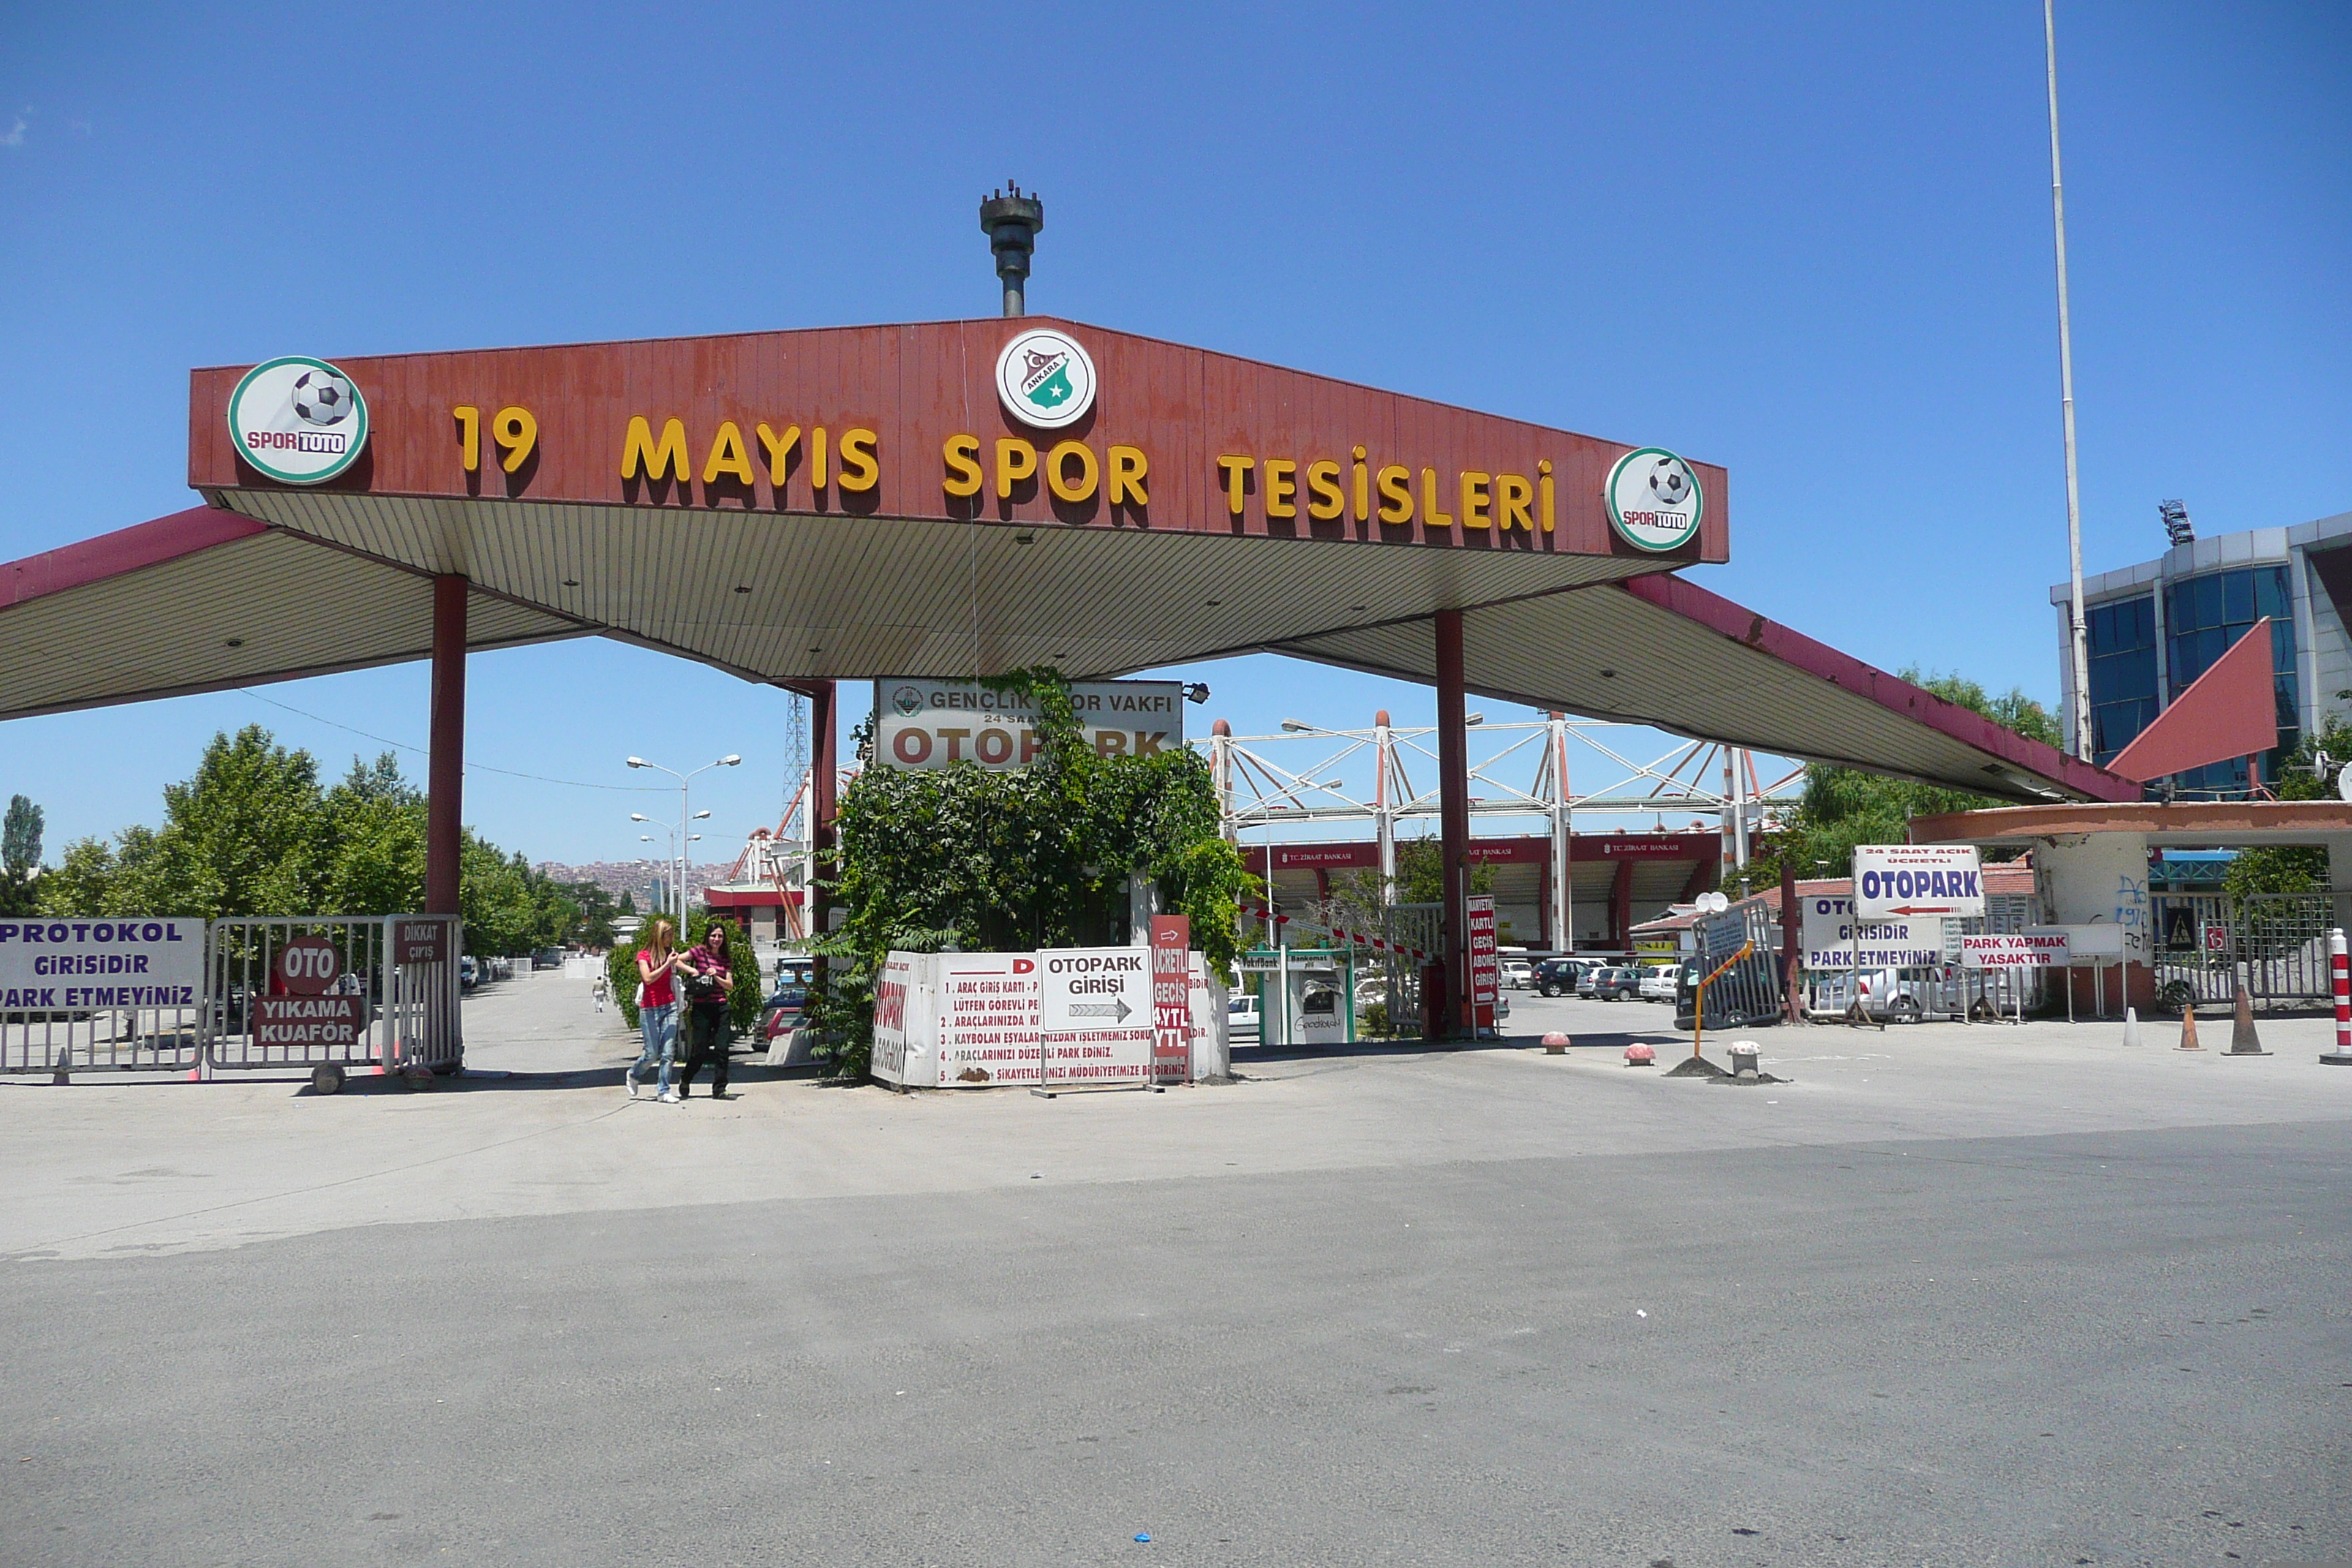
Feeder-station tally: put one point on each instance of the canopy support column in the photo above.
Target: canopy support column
(824, 775)
(1454, 811)
(445, 775)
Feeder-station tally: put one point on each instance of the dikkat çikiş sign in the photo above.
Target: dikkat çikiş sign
(922, 723)
(134, 960)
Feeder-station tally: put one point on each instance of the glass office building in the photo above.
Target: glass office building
(2155, 627)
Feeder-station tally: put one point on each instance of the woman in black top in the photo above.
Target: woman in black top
(706, 973)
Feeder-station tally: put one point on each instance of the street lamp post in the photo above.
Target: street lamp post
(685, 814)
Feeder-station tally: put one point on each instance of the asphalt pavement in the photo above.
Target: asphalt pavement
(1948, 1296)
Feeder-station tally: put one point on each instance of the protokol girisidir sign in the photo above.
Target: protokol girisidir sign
(1654, 500)
(297, 419)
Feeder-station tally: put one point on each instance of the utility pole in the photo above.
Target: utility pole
(2078, 641)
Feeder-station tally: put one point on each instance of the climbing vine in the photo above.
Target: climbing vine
(986, 861)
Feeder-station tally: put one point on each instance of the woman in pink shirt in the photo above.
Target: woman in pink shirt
(656, 1011)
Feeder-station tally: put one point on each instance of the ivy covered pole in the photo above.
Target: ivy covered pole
(1454, 810)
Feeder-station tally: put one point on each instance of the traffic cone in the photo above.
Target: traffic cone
(2131, 1026)
(2243, 1041)
(2188, 1030)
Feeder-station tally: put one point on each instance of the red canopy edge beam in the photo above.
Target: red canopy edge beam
(124, 551)
(1750, 630)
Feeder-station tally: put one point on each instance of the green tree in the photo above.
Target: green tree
(20, 855)
(1841, 807)
(1355, 903)
(2300, 868)
(1012, 861)
(251, 832)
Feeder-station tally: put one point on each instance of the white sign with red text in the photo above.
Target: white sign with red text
(987, 1018)
(1486, 961)
(924, 723)
(2042, 949)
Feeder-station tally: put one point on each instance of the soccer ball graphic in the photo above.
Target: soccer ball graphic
(1670, 482)
(322, 397)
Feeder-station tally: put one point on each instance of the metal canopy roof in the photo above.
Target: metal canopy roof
(783, 569)
(208, 598)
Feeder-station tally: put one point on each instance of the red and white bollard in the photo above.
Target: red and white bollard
(2341, 972)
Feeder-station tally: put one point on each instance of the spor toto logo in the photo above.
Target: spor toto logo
(908, 702)
(1654, 500)
(1046, 379)
(297, 419)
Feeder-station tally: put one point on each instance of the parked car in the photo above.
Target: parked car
(1559, 977)
(1615, 982)
(547, 958)
(1903, 995)
(469, 972)
(1243, 1025)
(1518, 973)
(782, 1011)
(1657, 983)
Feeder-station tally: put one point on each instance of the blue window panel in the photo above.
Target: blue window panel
(2205, 606)
(2282, 647)
(2270, 593)
(2238, 596)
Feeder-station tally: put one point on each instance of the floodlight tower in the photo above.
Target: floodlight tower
(1012, 222)
(2177, 530)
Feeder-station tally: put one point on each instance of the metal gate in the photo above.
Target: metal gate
(2275, 943)
(1407, 928)
(333, 993)
(121, 1040)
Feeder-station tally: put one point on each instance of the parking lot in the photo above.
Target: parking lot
(1949, 1295)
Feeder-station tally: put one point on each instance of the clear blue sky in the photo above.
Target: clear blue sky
(1810, 243)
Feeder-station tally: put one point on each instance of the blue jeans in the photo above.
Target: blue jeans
(660, 1026)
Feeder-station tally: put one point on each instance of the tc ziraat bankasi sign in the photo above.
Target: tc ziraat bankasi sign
(933, 723)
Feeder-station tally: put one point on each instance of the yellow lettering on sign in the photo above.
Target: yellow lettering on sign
(1057, 471)
(1128, 467)
(728, 456)
(668, 458)
(1396, 493)
(816, 459)
(1236, 470)
(1015, 460)
(1363, 486)
(470, 434)
(780, 453)
(859, 471)
(962, 455)
(1543, 486)
(1280, 487)
(1512, 493)
(1323, 497)
(1473, 499)
(516, 430)
(1429, 516)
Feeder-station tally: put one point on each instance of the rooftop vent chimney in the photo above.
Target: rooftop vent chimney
(1011, 221)
(2177, 526)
